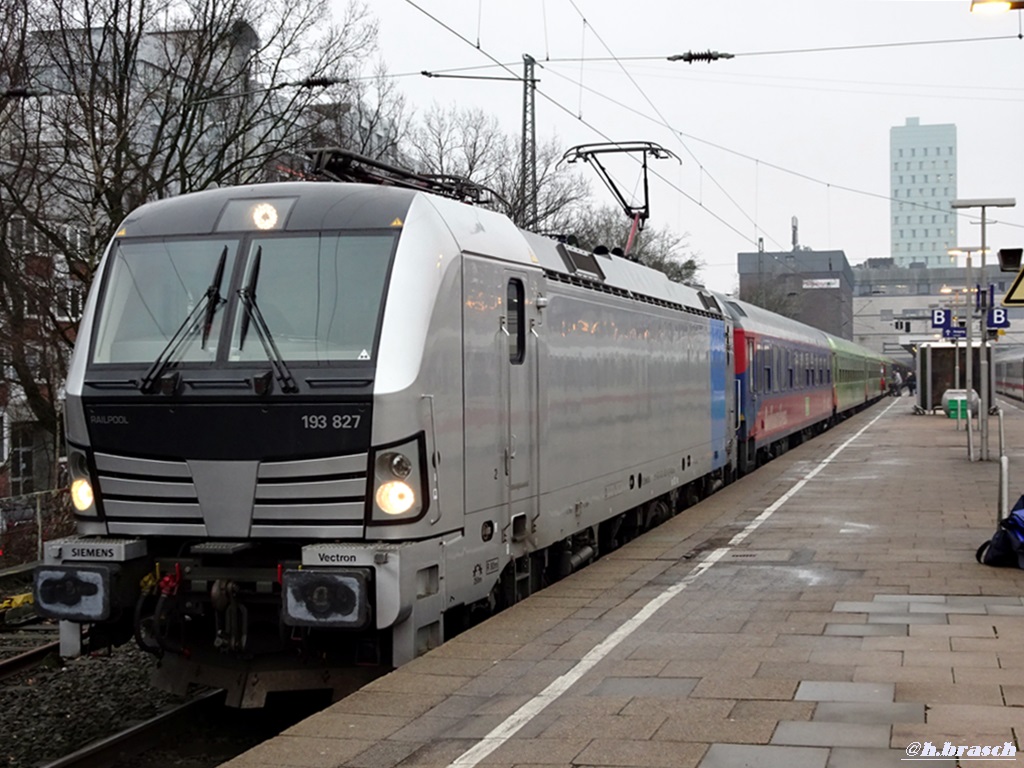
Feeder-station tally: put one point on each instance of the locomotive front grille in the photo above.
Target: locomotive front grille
(317, 498)
(326, 494)
(147, 495)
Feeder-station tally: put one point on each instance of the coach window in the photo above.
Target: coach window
(751, 367)
(516, 330)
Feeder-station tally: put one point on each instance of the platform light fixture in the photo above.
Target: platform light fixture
(996, 6)
(1010, 259)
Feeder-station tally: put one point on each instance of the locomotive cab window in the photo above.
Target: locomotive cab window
(154, 288)
(515, 321)
(319, 294)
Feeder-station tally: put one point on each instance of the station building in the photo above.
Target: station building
(878, 304)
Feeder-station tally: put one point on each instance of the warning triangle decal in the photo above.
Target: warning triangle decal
(364, 355)
(1015, 296)
(397, 222)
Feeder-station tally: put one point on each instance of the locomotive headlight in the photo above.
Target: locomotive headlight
(399, 494)
(395, 497)
(81, 494)
(264, 216)
(397, 463)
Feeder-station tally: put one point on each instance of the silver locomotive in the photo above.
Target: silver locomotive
(314, 427)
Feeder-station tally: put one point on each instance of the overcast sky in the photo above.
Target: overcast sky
(789, 127)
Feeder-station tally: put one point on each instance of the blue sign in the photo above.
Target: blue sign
(954, 333)
(941, 318)
(998, 317)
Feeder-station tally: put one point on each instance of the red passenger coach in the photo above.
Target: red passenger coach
(783, 381)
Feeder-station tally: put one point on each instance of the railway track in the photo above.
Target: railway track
(13, 665)
(25, 640)
(137, 738)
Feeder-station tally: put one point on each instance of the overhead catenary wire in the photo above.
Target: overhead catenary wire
(554, 102)
(732, 78)
(742, 155)
(751, 158)
(721, 147)
(664, 121)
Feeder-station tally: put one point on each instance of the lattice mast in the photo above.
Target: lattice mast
(528, 180)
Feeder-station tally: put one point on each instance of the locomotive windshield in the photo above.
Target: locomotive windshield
(152, 287)
(320, 295)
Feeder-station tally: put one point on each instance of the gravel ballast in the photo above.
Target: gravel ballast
(63, 705)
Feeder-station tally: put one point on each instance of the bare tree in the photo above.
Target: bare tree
(136, 100)
(372, 120)
(469, 143)
(659, 248)
(770, 291)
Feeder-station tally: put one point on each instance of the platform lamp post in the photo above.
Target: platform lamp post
(954, 294)
(969, 372)
(983, 203)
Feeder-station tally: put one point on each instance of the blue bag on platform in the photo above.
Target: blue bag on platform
(1006, 547)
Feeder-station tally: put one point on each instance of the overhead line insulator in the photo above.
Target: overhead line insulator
(689, 57)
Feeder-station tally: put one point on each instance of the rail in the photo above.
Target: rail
(27, 660)
(137, 738)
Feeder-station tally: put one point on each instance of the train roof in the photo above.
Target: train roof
(318, 205)
(478, 230)
(751, 317)
(1002, 352)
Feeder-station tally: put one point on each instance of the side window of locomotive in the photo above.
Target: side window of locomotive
(515, 321)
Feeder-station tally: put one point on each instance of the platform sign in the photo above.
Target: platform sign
(941, 318)
(998, 318)
(954, 333)
(1015, 296)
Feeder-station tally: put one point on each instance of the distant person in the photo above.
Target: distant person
(897, 384)
(911, 383)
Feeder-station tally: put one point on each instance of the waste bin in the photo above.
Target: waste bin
(956, 401)
(955, 404)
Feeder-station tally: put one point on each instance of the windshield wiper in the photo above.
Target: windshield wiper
(204, 313)
(253, 314)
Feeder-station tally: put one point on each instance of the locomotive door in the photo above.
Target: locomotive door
(520, 397)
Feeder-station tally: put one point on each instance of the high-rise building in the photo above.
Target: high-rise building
(922, 169)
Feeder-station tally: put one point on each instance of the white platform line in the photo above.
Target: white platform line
(511, 725)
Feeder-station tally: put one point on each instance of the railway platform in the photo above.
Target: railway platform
(825, 611)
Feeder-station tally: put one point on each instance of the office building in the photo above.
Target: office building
(813, 287)
(922, 169)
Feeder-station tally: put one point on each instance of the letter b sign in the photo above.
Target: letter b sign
(997, 318)
(940, 318)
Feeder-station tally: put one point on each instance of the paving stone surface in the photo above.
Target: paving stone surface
(850, 624)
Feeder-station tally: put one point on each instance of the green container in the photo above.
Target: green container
(954, 404)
